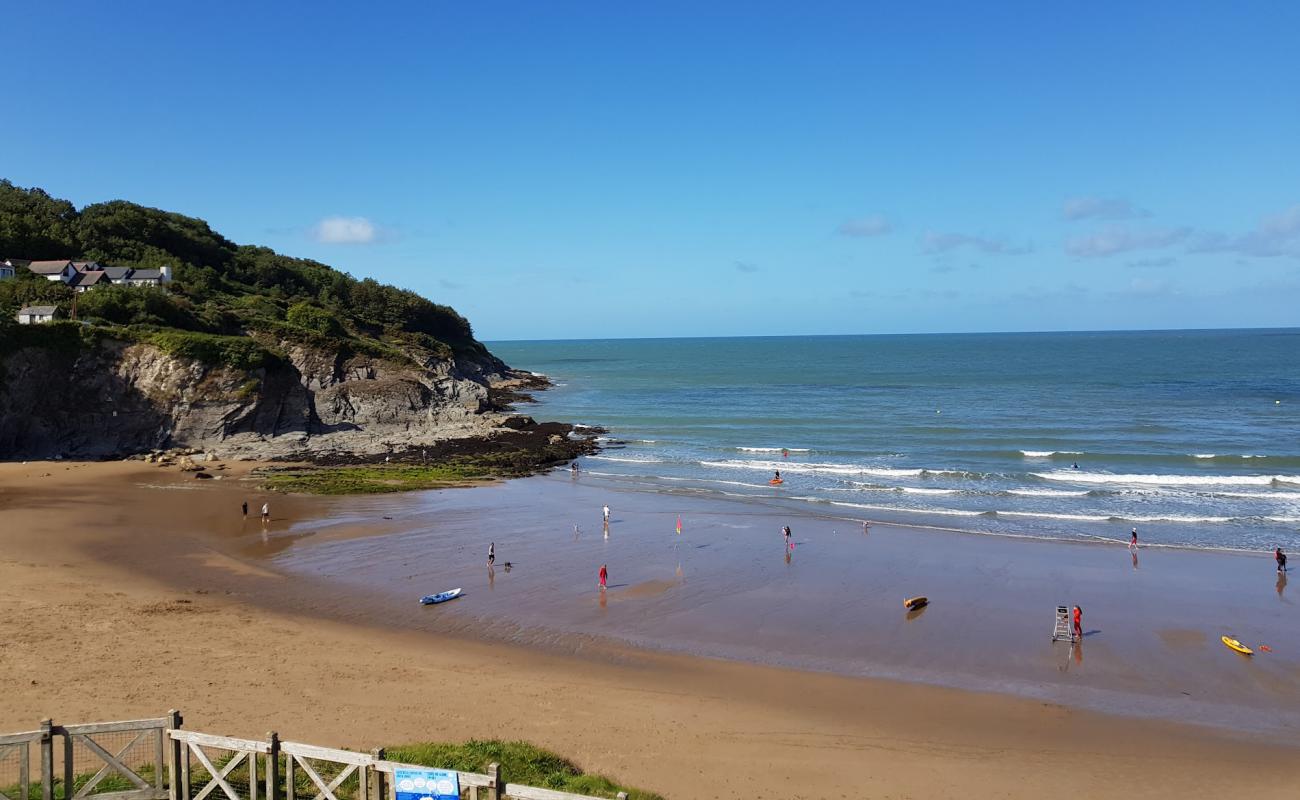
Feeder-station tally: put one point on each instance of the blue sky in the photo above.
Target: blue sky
(569, 170)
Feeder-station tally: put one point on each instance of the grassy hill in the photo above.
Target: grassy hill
(222, 292)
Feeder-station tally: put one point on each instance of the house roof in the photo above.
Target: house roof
(40, 311)
(89, 278)
(85, 266)
(48, 267)
(146, 275)
(117, 273)
(18, 262)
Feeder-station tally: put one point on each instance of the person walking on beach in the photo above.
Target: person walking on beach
(604, 577)
(1133, 543)
(1280, 557)
(605, 509)
(785, 531)
(1078, 624)
(266, 513)
(492, 553)
(245, 508)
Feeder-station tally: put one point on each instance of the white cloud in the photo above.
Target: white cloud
(345, 230)
(1276, 235)
(933, 242)
(874, 225)
(1121, 239)
(1104, 208)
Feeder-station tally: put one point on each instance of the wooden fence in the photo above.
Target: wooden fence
(154, 759)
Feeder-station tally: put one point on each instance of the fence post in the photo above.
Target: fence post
(375, 778)
(47, 759)
(173, 756)
(68, 776)
(621, 796)
(273, 767)
(289, 790)
(494, 782)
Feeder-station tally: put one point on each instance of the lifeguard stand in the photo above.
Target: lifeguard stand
(1063, 629)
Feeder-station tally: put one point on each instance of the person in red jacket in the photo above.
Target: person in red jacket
(604, 576)
(1078, 623)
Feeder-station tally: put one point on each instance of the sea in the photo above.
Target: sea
(1191, 437)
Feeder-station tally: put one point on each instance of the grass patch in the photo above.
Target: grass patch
(375, 479)
(520, 763)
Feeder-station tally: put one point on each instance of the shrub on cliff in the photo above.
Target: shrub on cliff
(239, 352)
(313, 318)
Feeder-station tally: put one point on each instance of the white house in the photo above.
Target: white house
(149, 277)
(54, 270)
(35, 315)
(6, 270)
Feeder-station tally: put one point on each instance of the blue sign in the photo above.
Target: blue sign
(426, 784)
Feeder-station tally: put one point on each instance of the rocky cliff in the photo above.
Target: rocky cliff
(114, 398)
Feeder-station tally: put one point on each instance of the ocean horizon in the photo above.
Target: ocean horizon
(1191, 436)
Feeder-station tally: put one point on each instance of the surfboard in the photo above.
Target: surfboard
(1236, 645)
(440, 597)
(913, 603)
(776, 481)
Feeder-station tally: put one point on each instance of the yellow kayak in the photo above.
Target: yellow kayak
(1238, 646)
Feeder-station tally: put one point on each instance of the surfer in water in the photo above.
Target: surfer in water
(777, 477)
(785, 453)
(1280, 557)
(492, 553)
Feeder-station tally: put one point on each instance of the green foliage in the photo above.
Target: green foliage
(231, 351)
(520, 762)
(137, 305)
(36, 226)
(28, 289)
(313, 318)
(220, 287)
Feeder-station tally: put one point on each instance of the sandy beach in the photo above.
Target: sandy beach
(127, 590)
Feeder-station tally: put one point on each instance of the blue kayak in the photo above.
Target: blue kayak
(440, 597)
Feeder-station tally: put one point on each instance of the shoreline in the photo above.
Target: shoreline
(135, 559)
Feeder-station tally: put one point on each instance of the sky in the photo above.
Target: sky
(565, 170)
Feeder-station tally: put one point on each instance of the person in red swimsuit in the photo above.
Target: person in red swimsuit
(1078, 623)
(604, 576)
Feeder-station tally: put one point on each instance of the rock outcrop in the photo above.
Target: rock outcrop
(115, 399)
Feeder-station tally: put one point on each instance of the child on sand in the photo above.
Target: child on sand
(1078, 623)
(1280, 557)
(605, 509)
(266, 511)
(604, 577)
(785, 531)
(492, 553)
(1133, 543)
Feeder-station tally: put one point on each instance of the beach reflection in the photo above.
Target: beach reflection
(492, 579)
(1135, 559)
(1281, 583)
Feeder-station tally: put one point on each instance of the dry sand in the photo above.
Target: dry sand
(95, 624)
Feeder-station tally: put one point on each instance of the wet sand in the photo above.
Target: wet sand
(727, 587)
(121, 600)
